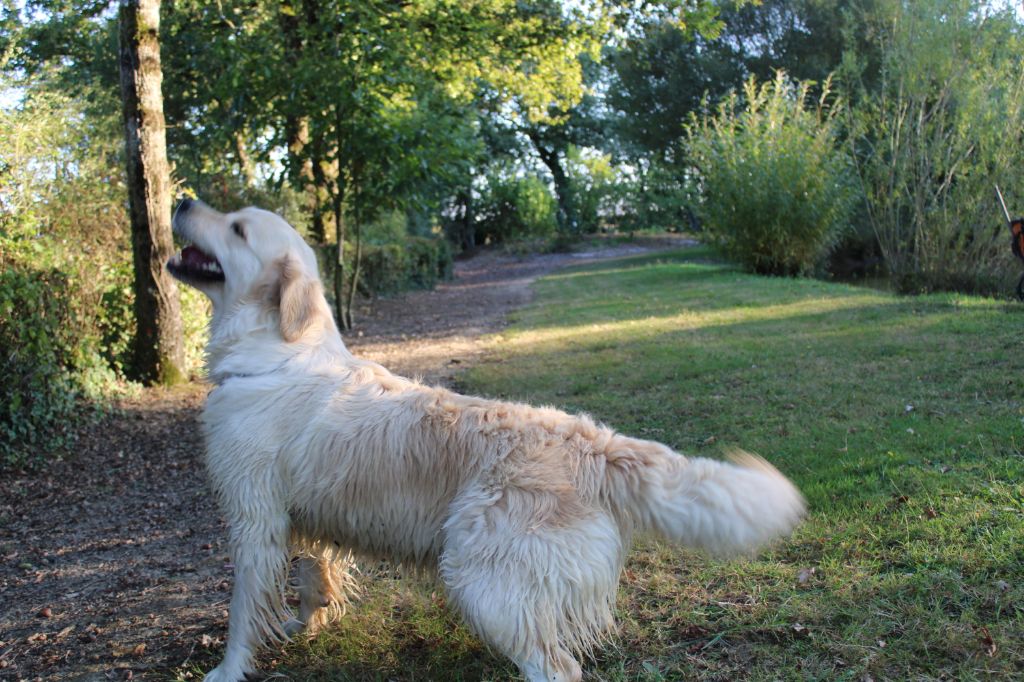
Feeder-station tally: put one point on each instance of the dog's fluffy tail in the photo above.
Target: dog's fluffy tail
(724, 508)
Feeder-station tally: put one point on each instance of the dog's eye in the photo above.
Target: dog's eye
(237, 228)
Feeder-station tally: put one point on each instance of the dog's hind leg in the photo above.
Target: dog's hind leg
(324, 584)
(259, 549)
(533, 584)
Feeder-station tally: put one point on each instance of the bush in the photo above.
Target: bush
(654, 196)
(385, 268)
(594, 184)
(944, 126)
(413, 263)
(513, 208)
(775, 189)
(38, 338)
(66, 319)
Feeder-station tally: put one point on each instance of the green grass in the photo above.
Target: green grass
(901, 419)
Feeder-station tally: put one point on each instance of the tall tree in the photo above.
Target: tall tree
(159, 347)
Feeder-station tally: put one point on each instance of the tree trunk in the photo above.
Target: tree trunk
(568, 223)
(339, 260)
(301, 163)
(158, 345)
(317, 229)
(354, 282)
(245, 164)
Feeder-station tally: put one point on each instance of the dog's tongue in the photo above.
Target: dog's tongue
(192, 257)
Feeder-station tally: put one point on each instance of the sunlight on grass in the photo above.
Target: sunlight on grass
(691, 319)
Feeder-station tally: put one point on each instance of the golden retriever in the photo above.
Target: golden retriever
(525, 514)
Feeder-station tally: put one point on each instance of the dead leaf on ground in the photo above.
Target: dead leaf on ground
(988, 644)
(805, 575)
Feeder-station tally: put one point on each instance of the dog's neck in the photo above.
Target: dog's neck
(247, 342)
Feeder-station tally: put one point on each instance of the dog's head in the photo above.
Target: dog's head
(249, 255)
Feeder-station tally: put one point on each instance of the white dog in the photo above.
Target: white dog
(525, 514)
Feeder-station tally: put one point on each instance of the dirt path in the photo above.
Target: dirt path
(113, 563)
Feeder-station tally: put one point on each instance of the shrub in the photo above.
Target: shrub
(514, 208)
(653, 196)
(384, 269)
(594, 183)
(430, 261)
(37, 335)
(413, 263)
(775, 189)
(66, 318)
(945, 124)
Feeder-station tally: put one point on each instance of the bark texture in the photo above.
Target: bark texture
(159, 347)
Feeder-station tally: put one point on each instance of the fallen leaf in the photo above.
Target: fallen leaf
(45, 612)
(692, 632)
(805, 575)
(1002, 585)
(930, 513)
(710, 440)
(987, 643)
(800, 630)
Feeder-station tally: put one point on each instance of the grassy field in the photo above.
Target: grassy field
(901, 419)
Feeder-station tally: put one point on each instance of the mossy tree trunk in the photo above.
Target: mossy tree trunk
(159, 345)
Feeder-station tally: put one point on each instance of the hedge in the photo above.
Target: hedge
(40, 356)
(415, 263)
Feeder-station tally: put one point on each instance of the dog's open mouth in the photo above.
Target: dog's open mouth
(193, 263)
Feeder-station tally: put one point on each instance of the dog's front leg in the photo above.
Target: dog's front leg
(259, 547)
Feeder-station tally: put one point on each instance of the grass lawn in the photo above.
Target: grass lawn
(901, 419)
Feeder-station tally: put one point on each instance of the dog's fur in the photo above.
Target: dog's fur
(526, 514)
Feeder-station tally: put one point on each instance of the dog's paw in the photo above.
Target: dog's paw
(293, 626)
(223, 673)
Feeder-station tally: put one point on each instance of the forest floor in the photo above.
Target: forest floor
(113, 560)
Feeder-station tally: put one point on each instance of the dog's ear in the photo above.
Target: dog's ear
(297, 297)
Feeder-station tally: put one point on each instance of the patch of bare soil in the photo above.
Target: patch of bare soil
(113, 561)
